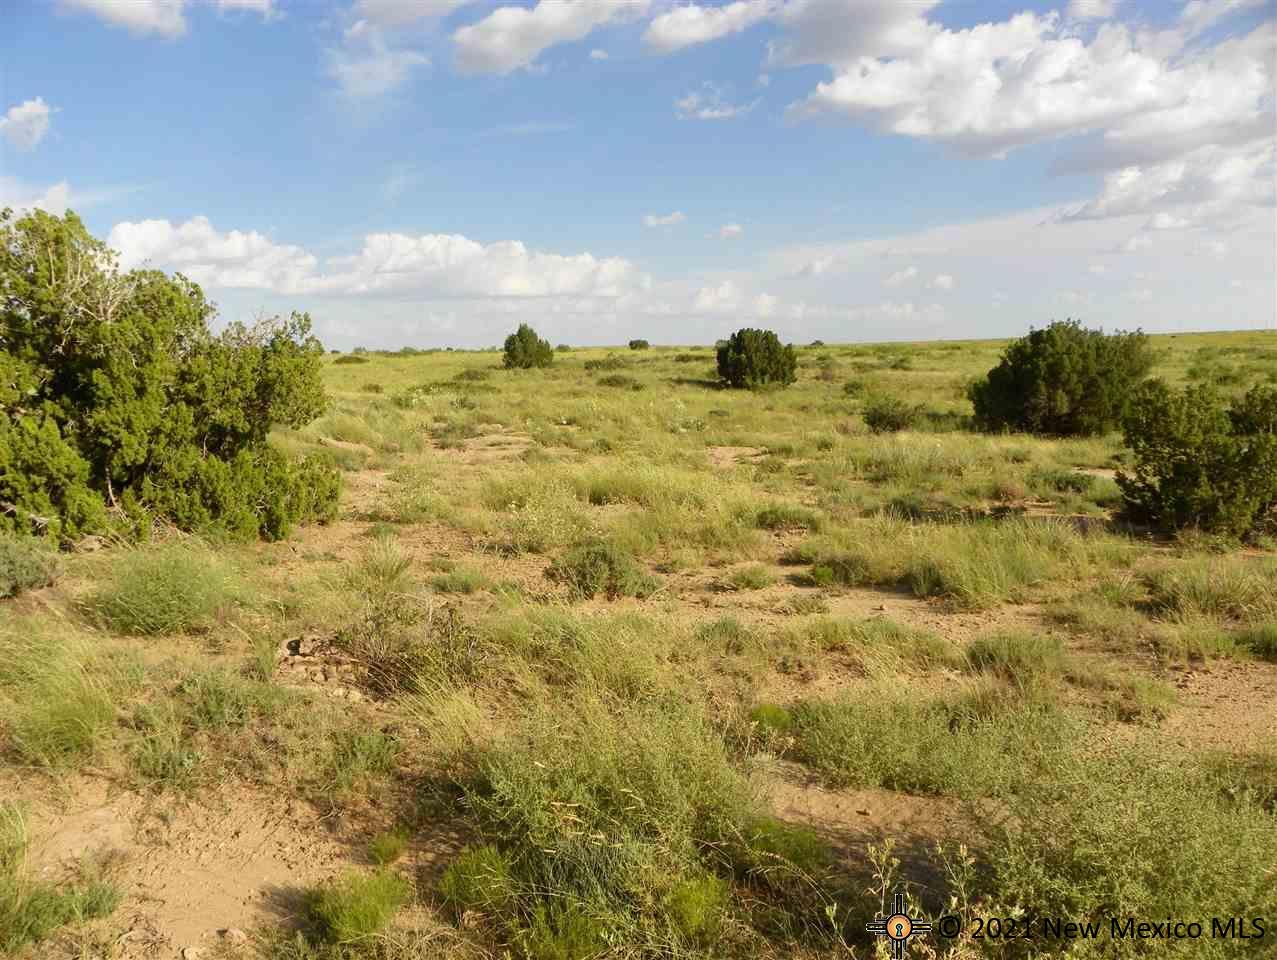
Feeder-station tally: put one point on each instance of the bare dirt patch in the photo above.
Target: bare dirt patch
(1226, 705)
(187, 872)
(724, 457)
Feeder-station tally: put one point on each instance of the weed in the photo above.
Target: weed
(601, 567)
(387, 847)
(754, 577)
(31, 911)
(175, 588)
(356, 907)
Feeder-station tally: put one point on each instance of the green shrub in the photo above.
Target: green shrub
(1062, 380)
(601, 567)
(610, 362)
(1197, 463)
(350, 358)
(1135, 835)
(771, 718)
(639, 345)
(696, 906)
(1261, 641)
(481, 878)
(25, 564)
(525, 350)
(755, 358)
(356, 907)
(473, 375)
(884, 414)
(114, 389)
(754, 577)
(172, 589)
(784, 516)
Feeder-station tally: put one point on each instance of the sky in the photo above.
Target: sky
(435, 172)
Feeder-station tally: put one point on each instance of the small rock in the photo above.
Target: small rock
(233, 935)
(863, 813)
(881, 606)
(192, 953)
(90, 544)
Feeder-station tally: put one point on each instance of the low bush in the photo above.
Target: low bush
(524, 350)
(756, 358)
(601, 567)
(885, 414)
(1062, 380)
(639, 345)
(25, 564)
(785, 516)
(1199, 463)
(357, 907)
(610, 362)
(347, 359)
(171, 589)
(987, 745)
(1136, 835)
(620, 380)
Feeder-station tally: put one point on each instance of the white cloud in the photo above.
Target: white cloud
(397, 13)
(23, 197)
(718, 298)
(25, 125)
(365, 66)
(513, 37)
(167, 18)
(597, 54)
(941, 281)
(730, 231)
(1141, 295)
(688, 25)
(668, 220)
(1091, 9)
(1096, 269)
(901, 276)
(708, 104)
(427, 266)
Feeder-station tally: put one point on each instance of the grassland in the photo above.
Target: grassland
(603, 660)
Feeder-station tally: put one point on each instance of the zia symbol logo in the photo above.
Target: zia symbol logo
(898, 927)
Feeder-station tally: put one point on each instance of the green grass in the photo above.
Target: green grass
(59, 696)
(460, 580)
(1025, 659)
(981, 744)
(174, 588)
(754, 577)
(357, 907)
(30, 910)
(1235, 587)
(387, 847)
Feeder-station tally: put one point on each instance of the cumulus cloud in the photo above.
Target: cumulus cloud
(901, 276)
(513, 37)
(708, 104)
(941, 281)
(1091, 9)
(668, 220)
(25, 124)
(166, 18)
(365, 66)
(730, 231)
(693, 24)
(597, 54)
(427, 266)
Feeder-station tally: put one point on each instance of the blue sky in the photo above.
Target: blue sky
(433, 172)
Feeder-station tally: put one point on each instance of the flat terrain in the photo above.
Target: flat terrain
(709, 672)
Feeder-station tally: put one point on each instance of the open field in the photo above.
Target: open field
(603, 660)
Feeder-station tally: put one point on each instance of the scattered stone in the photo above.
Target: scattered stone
(233, 935)
(863, 813)
(192, 953)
